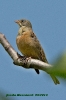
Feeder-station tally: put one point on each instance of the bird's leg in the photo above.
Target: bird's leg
(19, 55)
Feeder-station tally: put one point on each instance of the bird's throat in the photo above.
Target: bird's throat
(23, 29)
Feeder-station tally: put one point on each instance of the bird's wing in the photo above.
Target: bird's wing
(39, 50)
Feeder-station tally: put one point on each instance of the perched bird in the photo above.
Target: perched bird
(29, 45)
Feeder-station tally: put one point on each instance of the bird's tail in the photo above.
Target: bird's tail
(55, 80)
(37, 71)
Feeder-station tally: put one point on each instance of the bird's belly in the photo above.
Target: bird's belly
(28, 51)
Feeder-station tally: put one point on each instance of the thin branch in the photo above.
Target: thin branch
(21, 60)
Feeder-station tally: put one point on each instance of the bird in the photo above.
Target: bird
(29, 45)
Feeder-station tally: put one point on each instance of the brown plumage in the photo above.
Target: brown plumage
(29, 45)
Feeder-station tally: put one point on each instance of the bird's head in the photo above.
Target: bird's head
(23, 22)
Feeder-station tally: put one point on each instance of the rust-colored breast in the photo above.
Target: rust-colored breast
(26, 45)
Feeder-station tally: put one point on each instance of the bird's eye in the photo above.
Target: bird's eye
(22, 20)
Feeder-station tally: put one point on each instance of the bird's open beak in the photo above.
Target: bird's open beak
(18, 22)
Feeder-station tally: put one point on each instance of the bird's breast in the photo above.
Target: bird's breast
(26, 45)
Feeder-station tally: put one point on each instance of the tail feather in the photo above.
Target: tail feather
(56, 81)
(37, 71)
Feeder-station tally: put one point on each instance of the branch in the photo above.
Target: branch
(21, 60)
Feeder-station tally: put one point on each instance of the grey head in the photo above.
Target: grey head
(24, 22)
